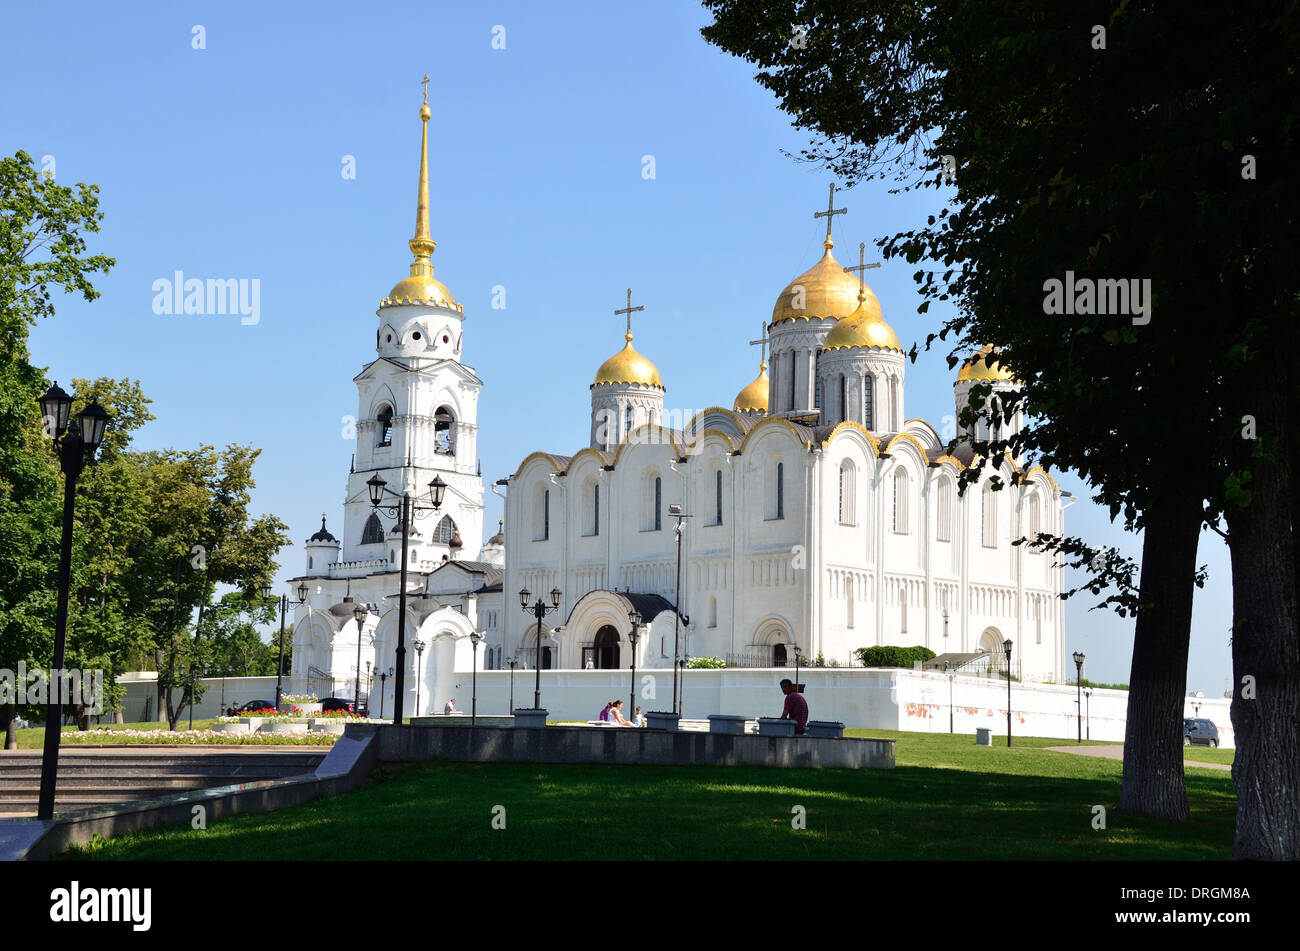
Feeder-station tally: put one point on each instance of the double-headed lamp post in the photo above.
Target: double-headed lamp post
(76, 448)
(634, 618)
(359, 612)
(475, 638)
(383, 683)
(676, 512)
(404, 511)
(303, 591)
(1006, 648)
(1078, 683)
(539, 611)
(419, 646)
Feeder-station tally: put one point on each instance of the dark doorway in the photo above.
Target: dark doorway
(606, 648)
(778, 656)
(546, 657)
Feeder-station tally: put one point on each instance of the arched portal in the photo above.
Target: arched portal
(778, 655)
(606, 648)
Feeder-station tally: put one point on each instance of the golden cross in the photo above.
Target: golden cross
(830, 212)
(629, 310)
(425, 84)
(863, 266)
(762, 341)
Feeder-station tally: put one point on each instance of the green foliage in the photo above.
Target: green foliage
(886, 656)
(706, 663)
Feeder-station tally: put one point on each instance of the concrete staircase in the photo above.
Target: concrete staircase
(98, 776)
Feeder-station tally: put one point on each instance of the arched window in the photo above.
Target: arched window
(848, 492)
(385, 421)
(627, 421)
(595, 510)
(591, 507)
(902, 609)
(444, 431)
(1033, 520)
(659, 504)
(373, 533)
(900, 501)
(717, 498)
(844, 397)
(817, 393)
(309, 562)
(780, 490)
(868, 403)
(989, 516)
(943, 509)
(848, 601)
(713, 612)
(543, 514)
(793, 360)
(446, 528)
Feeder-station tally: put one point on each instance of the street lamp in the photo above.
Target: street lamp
(1078, 684)
(419, 646)
(676, 511)
(383, 683)
(76, 448)
(359, 613)
(404, 511)
(513, 662)
(539, 611)
(284, 606)
(1087, 706)
(475, 638)
(950, 679)
(1006, 647)
(634, 617)
(798, 656)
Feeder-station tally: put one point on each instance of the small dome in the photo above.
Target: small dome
(628, 366)
(865, 327)
(753, 398)
(420, 290)
(984, 366)
(828, 291)
(500, 537)
(455, 542)
(323, 535)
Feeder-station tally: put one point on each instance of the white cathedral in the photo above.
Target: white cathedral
(814, 515)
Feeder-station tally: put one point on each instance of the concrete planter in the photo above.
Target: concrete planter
(775, 726)
(657, 720)
(299, 727)
(240, 727)
(330, 725)
(726, 723)
(306, 709)
(831, 728)
(983, 736)
(530, 719)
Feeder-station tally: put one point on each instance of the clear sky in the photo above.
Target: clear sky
(228, 162)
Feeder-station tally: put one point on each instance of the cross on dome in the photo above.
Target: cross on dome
(862, 269)
(829, 214)
(629, 310)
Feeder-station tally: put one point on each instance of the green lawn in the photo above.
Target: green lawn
(948, 799)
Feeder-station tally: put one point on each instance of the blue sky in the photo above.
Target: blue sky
(226, 162)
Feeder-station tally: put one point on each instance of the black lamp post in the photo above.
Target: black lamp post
(284, 606)
(676, 512)
(475, 638)
(76, 448)
(513, 662)
(1006, 647)
(383, 683)
(681, 694)
(404, 511)
(1087, 706)
(634, 617)
(798, 656)
(950, 679)
(419, 646)
(359, 613)
(1078, 683)
(539, 611)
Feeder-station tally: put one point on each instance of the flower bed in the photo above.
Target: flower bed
(195, 738)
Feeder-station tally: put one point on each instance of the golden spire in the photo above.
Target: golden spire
(422, 244)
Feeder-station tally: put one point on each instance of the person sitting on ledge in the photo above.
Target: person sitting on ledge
(604, 714)
(616, 714)
(450, 708)
(796, 707)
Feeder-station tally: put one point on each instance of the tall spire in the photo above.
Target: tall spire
(422, 244)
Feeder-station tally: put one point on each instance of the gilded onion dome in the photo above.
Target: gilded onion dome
(421, 287)
(628, 366)
(753, 398)
(827, 291)
(984, 366)
(865, 327)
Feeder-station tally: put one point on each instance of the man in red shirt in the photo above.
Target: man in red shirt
(796, 707)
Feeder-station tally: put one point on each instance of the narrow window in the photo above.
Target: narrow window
(595, 510)
(989, 517)
(848, 493)
(546, 514)
(943, 515)
(844, 397)
(902, 608)
(627, 421)
(848, 598)
(373, 533)
(900, 501)
(817, 393)
(713, 612)
(868, 407)
(793, 360)
(717, 494)
(659, 498)
(780, 490)
(385, 420)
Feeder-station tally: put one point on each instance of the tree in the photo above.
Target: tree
(42, 247)
(1101, 142)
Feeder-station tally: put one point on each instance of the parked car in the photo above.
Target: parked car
(250, 706)
(1200, 731)
(342, 703)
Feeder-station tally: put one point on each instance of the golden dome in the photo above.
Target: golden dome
(628, 366)
(420, 289)
(753, 398)
(863, 328)
(828, 291)
(977, 369)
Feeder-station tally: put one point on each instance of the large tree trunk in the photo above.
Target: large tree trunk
(160, 705)
(8, 717)
(1153, 732)
(1265, 648)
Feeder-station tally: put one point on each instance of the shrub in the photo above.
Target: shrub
(706, 663)
(888, 656)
